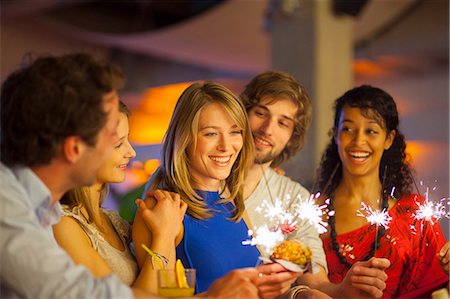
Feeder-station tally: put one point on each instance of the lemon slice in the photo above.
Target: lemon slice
(181, 277)
(156, 260)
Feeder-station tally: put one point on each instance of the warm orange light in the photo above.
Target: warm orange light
(365, 67)
(413, 150)
(150, 119)
(383, 66)
(150, 166)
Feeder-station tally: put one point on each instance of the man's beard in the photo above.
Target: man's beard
(263, 159)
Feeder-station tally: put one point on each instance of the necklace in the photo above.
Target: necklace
(331, 222)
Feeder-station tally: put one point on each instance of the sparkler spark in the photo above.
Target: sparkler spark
(431, 211)
(266, 237)
(376, 217)
(311, 212)
(281, 222)
(276, 211)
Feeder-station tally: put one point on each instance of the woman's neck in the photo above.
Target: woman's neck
(365, 189)
(94, 198)
(213, 186)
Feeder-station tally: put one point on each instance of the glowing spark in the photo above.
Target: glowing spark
(431, 211)
(281, 222)
(308, 210)
(276, 211)
(392, 192)
(264, 237)
(376, 217)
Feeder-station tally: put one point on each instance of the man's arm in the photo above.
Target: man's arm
(32, 264)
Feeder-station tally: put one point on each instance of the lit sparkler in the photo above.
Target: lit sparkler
(265, 237)
(430, 211)
(276, 211)
(376, 217)
(309, 211)
(282, 222)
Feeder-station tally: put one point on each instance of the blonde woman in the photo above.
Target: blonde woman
(206, 151)
(99, 239)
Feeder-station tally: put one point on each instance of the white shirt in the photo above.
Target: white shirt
(32, 265)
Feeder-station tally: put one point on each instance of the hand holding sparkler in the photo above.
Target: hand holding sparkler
(365, 279)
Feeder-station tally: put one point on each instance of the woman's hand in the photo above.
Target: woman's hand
(274, 280)
(366, 279)
(444, 257)
(163, 213)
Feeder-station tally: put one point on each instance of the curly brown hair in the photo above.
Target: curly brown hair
(376, 102)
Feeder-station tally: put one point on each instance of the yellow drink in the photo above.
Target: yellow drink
(176, 292)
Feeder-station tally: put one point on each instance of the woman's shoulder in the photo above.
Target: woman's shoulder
(68, 210)
(121, 226)
(73, 213)
(70, 227)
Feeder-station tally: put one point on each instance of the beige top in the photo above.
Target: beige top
(286, 190)
(122, 263)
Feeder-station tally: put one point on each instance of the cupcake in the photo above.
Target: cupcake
(293, 255)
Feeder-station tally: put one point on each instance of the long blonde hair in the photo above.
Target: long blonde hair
(173, 173)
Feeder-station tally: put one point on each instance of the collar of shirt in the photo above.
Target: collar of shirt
(38, 196)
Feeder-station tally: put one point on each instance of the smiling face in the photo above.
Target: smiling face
(361, 141)
(94, 156)
(219, 141)
(272, 125)
(113, 169)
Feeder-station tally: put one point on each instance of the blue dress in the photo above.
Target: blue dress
(214, 246)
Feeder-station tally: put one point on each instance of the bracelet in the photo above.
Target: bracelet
(293, 292)
(163, 260)
(160, 260)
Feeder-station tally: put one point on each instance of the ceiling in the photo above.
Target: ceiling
(230, 35)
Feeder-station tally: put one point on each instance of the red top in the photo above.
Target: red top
(410, 245)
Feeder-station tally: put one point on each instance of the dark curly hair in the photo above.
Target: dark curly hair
(50, 99)
(373, 102)
(280, 84)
